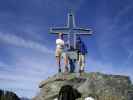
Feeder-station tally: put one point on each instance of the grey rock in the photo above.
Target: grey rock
(97, 85)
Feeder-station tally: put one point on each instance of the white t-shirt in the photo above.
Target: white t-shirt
(55, 99)
(59, 43)
(89, 98)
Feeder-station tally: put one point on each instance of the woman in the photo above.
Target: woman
(60, 52)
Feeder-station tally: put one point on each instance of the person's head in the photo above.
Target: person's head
(61, 35)
(67, 92)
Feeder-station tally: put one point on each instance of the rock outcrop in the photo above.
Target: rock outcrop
(97, 85)
(7, 95)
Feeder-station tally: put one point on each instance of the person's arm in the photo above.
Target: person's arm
(84, 48)
(66, 45)
(86, 51)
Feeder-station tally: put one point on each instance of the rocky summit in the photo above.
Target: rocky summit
(95, 85)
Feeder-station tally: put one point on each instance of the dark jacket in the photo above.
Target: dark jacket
(80, 46)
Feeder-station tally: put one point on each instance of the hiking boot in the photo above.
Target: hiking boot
(66, 69)
(59, 70)
(81, 71)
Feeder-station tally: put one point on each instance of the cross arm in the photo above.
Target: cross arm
(83, 31)
(57, 30)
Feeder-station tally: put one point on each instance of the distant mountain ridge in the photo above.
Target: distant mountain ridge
(8, 95)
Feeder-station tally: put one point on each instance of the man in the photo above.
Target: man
(60, 52)
(82, 51)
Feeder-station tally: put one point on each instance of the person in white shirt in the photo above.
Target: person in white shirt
(59, 53)
(55, 99)
(89, 98)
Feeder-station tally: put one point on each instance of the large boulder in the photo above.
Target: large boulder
(94, 85)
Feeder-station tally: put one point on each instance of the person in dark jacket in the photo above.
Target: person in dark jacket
(82, 51)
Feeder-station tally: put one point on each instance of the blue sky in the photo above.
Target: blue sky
(27, 49)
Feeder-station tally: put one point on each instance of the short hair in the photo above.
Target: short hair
(67, 92)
